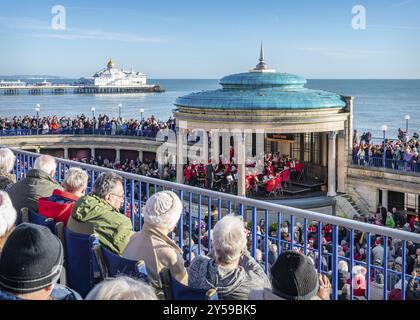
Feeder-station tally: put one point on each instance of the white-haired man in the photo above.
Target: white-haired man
(58, 206)
(39, 182)
(7, 162)
(229, 268)
(7, 218)
(152, 244)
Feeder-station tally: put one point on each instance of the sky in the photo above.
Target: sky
(210, 39)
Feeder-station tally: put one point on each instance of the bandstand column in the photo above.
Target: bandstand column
(332, 163)
(66, 153)
(179, 156)
(117, 155)
(385, 199)
(215, 146)
(205, 149)
(141, 155)
(92, 153)
(241, 165)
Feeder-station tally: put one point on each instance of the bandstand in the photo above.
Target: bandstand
(263, 111)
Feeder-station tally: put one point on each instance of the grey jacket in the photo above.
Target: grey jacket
(26, 192)
(235, 284)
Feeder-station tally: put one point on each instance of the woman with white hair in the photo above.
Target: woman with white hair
(229, 268)
(7, 162)
(122, 288)
(153, 245)
(7, 218)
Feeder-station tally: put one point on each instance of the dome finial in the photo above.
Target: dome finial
(262, 53)
(110, 63)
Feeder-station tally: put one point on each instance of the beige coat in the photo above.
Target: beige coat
(157, 250)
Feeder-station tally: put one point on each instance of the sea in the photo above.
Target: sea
(377, 102)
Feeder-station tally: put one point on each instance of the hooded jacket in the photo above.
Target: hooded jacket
(58, 206)
(230, 284)
(92, 214)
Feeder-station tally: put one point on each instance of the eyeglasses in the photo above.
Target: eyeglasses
(121, 197)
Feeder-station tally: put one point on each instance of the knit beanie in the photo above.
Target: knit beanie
(31, 259)
(294, 277)
(163, 209)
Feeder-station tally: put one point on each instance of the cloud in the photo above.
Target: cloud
(343, 53)
(80, 34)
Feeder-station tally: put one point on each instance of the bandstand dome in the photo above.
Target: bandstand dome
(262, 88)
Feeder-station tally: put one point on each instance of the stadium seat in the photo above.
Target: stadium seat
(35, 218)
(112, 265)
(82, 271)
(175, 290)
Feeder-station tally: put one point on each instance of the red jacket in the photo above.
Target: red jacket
(58, 206)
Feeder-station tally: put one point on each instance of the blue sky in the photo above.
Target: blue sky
(209, 39)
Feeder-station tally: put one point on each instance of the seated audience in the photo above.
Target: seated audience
(229, 269)
(39, 182)
(7, 162)
(59, 205)
(99, 213)
(122, 288)
(153, 245)
(7, 218)
(30, 266)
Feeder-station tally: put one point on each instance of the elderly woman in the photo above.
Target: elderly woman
(7, 162)
(229, 268)
(7, 218)
(153, 245)
(122, 288)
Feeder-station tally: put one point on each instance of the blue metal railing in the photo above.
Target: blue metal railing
(198, 201)
(390, 164)
(84, 131)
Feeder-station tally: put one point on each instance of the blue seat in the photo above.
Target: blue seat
(35, 218)
(112, 265)
(80, 263)
(174, 290)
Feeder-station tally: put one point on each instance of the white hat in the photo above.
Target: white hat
(163, 209)
(7, 213)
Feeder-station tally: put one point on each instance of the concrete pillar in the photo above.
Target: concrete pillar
(205, 146)
(324, 148)
(66, 153)
(331, 164)
(215, 145)
(179, 156)
(117, 155)
(141, 155)
(92, 153)
(225, 144)
(385, 199)
(241, 165)
(341, 163)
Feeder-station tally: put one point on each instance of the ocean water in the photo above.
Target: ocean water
(377, 102)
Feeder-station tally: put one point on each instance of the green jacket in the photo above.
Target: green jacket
(26, 192)
(389, 222)
(92, 214)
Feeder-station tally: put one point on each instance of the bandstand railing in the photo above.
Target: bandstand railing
(197, 208)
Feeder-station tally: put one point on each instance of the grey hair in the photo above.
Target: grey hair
(7, 160)
(45, 163)
(229, 238)
(75, 179)
(343, 266)
(122, 288)
(106, 183)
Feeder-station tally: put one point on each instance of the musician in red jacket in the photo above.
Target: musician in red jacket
(58, 206)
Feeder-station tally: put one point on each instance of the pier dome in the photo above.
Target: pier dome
(262, 89)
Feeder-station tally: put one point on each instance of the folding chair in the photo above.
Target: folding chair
(175, 290)
(35, 218)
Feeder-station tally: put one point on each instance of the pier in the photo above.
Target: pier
(64, 89)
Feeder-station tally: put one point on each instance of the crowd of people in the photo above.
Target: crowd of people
(269, 176)
(32, 256)
(400, 154)
(82, 124)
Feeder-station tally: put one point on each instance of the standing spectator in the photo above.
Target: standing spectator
(99, 213)
(229, 268)
(378, 251)
(59, 205)
(7, 162)
(153, 245)
(39, 182)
